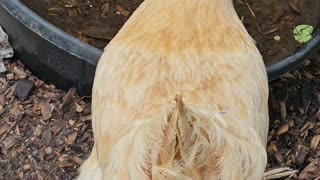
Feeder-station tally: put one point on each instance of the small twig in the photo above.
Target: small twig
(271, 31)
(254, 16)
(8, 131)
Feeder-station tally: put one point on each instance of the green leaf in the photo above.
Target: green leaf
(303, 33)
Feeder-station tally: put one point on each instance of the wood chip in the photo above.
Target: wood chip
(283, 110)
(272, 148)
(279, 157)
(2, 99)
(38, 130)
(48, 150)
(86, 118)
(315, 142)
(63, 163)
(4, 127)
(26, 166)
(77, 160)
(56, 128)
(71, 138)
(68, 99)
(10, 76)
(312, 171)
(71, 122)
(305, 126)
(9, 142)
(79, 109)
(301, 154)
(285, 128)
(46, 137)
(19, 72)
(46, 110)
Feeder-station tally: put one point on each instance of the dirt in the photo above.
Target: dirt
(97, 21)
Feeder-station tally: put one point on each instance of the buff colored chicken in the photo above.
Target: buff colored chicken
(180, 93)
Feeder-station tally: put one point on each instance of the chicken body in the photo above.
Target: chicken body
(180, 93)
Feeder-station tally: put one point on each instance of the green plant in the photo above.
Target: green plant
(303, 33)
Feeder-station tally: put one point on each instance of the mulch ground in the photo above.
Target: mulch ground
(45, 133)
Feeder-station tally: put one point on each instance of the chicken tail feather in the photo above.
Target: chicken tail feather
(186, 145)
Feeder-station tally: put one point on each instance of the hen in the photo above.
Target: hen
(180, 93)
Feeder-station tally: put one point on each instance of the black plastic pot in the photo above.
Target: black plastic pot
(65, 61)
(50, 53)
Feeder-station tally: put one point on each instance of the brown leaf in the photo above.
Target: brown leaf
(72, 138)
(315, 142)
(312, 171)
(46, 110)
(9, 142)
(283, 129)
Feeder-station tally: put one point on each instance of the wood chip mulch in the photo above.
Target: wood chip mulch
(46, 135)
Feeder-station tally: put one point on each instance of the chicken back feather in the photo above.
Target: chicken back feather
(180, 93)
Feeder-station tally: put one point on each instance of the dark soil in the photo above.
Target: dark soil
(97, 21)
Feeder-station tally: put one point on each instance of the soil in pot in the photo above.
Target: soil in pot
(97, 21)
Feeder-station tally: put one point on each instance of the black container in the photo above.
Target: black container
(50, 53)
(66, 62)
